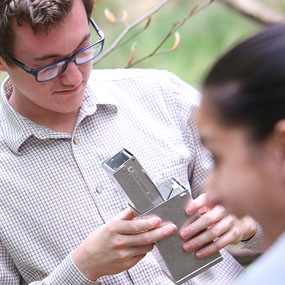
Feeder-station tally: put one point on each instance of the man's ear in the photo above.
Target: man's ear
(3, 64)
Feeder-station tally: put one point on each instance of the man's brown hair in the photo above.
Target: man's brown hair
(39, 14)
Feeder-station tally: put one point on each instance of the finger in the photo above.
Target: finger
(196, 204)
(124, 254)
(210, 234)
(203, 222)
(204, 210)
(215, 246)
(151, 236)
(211, 248)
(135, 226)
(127, 214)
(140, 250)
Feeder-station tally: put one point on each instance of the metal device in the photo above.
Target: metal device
(166, 200)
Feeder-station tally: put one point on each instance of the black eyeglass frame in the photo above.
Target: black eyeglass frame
(66, 60)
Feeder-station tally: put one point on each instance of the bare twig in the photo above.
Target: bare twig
(255, 10)
(136, 34)
(130, 27)
(156, 51)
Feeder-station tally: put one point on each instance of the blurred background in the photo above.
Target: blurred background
(203, 37)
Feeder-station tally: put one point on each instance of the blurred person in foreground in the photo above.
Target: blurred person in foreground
(62, 218)
(242, 123)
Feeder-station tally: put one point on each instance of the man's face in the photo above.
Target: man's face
(247, 176)
(65, 93)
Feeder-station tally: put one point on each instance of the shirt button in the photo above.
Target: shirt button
(76, 141)
(99, 189)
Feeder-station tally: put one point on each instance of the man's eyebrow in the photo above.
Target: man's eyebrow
(48, 56)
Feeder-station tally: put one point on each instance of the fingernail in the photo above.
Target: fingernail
(189, 211)
(183, 234)
(169, 229)
(199, 254)
(186, 234)
(155, 221)
(187, 247)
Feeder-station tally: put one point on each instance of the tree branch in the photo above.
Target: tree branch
(136, 34)
(195, 10)
(255, 10)
(130, 27)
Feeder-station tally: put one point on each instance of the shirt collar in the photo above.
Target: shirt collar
(96, 95)
(16, 129)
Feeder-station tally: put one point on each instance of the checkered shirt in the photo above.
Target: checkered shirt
(54, 191)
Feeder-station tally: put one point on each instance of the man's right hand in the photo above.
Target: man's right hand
(119, 244)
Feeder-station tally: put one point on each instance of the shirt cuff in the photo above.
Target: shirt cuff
(256, 241)
(67, 273)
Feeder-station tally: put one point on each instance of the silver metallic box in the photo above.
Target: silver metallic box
(168, 201)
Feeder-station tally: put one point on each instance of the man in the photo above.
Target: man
(62, 219)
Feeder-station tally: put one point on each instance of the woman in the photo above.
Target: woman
(242, 122)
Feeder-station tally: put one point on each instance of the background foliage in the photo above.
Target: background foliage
(203, 38)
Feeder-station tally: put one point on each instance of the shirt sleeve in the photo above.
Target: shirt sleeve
(256, 242)
(66, 273)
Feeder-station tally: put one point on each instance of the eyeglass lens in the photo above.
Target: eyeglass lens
(81, 58)
(88, 54)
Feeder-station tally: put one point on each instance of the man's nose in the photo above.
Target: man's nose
(72, 75)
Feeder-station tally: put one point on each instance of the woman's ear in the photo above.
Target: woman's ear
(279, 135)
(279, 131)
(3, 64)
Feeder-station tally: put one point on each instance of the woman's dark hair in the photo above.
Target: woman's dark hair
(247, 85)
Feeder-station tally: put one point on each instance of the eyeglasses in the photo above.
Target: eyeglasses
(55, 69)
